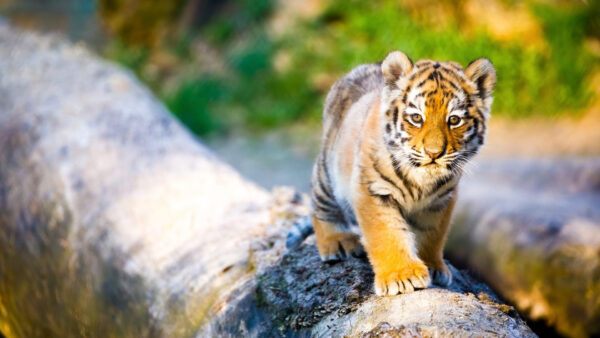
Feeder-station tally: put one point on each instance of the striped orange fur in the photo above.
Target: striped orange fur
(396, 136)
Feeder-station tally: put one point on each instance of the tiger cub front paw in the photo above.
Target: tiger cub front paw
(404, 279)
(338, 247)
(441, 275)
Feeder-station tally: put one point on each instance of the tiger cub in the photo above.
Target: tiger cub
(396, 136)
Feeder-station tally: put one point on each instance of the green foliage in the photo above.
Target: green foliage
(529, 81)
(565, 31)
(532, 80)
(220, 31)
(139, 22)
(132, 57)
(257, 9)
(245, 16)
(255, 95)
(254, 58)
(195, 104)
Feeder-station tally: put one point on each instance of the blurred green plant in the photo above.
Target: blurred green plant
(140, 22)
(132, 57)
(252, 93)
(530, 82)
(565, 32)
(195, 103)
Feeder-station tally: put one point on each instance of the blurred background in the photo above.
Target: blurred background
(249, 76)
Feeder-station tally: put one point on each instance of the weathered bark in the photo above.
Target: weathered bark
(115, 221)
(532, 230)
(301, 296)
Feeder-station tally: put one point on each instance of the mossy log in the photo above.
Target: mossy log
(532, 230)
(115, 221)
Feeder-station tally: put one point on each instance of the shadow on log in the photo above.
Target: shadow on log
(116, 222)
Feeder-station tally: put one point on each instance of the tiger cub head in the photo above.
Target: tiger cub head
(435, 113)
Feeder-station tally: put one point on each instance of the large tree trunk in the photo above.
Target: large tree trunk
(115, 221)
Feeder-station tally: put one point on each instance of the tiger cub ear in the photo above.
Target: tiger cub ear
(395, 66)
(483, 74)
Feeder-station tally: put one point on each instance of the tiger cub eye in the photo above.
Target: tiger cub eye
(416, 118)
(453, 120)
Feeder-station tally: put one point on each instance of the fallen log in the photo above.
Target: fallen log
(532, 230)
(115, 221)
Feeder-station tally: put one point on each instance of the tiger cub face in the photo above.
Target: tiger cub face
(435, 113)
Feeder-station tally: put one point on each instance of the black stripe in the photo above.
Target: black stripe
(480, 82)
(456, 67)
(446, 192)
(413, 76)
(469, 100)
(384, 177)
(413, 162)
(441, 78)
(472, 136)
(462, 106)
(423, 64)
(480, 114)
(337, 219)
(446, 70)
(419, 192)
(323, 187)
(405, 181)
(439, 183)
(326, 210)
(390, 202)
(330, 213)
(325, 169)
(437, 207)
(453, 85)
(395, 116)
(328, 203)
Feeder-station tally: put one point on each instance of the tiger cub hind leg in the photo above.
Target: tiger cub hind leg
(336, 243)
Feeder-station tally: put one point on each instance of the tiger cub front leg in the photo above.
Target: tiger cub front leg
(390, 247)
(430, 241)
(334, 242)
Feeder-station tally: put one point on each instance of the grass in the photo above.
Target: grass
(532, 81)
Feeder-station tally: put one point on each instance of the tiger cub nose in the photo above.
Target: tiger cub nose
(435, 152)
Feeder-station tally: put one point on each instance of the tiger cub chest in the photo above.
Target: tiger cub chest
(411, 192)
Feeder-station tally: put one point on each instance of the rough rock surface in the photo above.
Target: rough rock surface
(115, 221)
(301, 296)
(532, 230)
